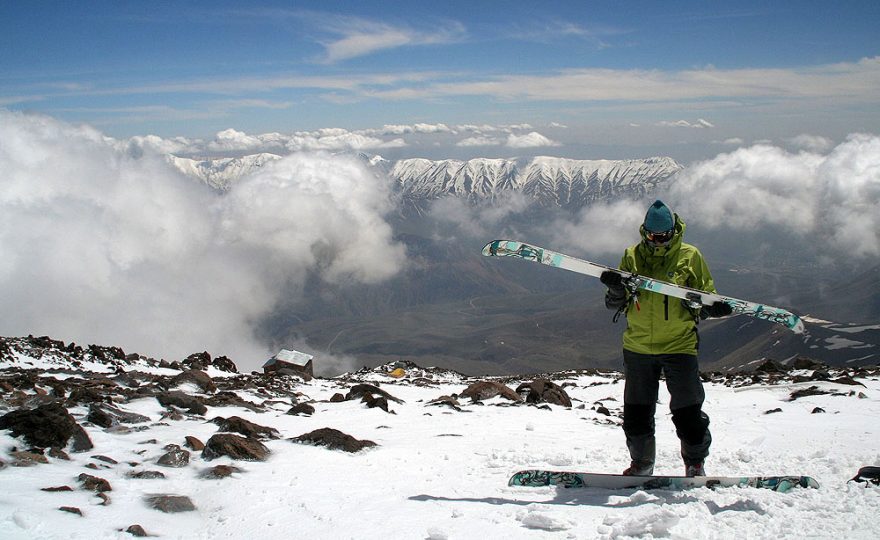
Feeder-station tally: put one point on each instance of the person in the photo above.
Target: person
(661, 338)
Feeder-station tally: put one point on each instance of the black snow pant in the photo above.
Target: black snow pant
(682, 373)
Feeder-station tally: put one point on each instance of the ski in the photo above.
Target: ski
(538, 478)
(512, 248)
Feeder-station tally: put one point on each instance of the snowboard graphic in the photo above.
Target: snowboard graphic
(635, 283)
(537, 478)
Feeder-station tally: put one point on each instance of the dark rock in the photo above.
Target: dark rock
(603, 410)
(194, 443)
(847, 380)
(818, 410)
(483, 390)
(107, 416)
(178, 399)
(147, 475)
(93, 483)
(199, 378)
(176, 457)
(334, 440)
(544, 391)
(197, 361)
(71, 509)
(136, 530)
(230, 399)
(804, 362)
(811, 391)
(224, 364)
(771, 366)
(170, 504)
(772, 411)
(106, 459)
(358, 391)
(57, 488)
(227, 444)
(446, 401)
(220, 471)
(302, 409)
(237, 424)
(374, 402)
(337, 398)
(46, 426)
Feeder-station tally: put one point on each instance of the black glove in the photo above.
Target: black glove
(616, 295)
(718, 309)
(612, 280)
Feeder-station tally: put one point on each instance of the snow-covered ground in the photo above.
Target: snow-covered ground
(442, 473)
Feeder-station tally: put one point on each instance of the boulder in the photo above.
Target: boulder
(181, 400)
(544, 391)
(224, 364)
(358, 391)
(334, 440)
(301, 409)
(170, 504)
(249, 429)
(220, 471)
(94, 483)
(47, 426)
(234, 446)
(197, 377)
(483, 390)
(176, 457)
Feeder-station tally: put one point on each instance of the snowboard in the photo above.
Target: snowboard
(636, 283)
(537, 478)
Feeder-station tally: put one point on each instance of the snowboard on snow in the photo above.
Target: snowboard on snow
(537, 478)
(636, 283)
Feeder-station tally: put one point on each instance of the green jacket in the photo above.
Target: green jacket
(658, 324)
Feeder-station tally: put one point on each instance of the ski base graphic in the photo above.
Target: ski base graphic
(537, 478)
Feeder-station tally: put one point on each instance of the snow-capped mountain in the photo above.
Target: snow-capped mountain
(550, 181)
(223, 172)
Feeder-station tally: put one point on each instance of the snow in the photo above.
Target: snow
(442, 474)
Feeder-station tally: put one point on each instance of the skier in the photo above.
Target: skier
(661, 337)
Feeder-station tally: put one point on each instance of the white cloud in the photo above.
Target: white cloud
(479, 141)
(529, 140)
(361, 37)
(834, 198)
(812, 143)
(101, 246)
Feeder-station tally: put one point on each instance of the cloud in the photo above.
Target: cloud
(361, 37)
(833, 199)
(530, 140)
(811, 143)
(479, 141)
(578, 234)
(99, 245)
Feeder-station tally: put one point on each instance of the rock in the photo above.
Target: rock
(374, 402)
(194, 443)
(358, 391)
(302, 409)
(230, 399)
(146, 475)
(811, 391)
(771, 366)
(544, 391)
(176, 457)
(247, 428)
(334, 440)
(773, 411)
(94, 483)
(197, 360)
(224, 364)
(58, 453)
(446, 401)
(818, 410)
(72, 510)
(483, 390)
(170, 504)
(56, 489)
(804, 362)
(178, 399)
(337, 398)
(107, 416)
(106, 459)
(46, 426)
(601, 409)
(234, 446)
(136, 530)
(27, 459)
(220, 471)
(196, 377)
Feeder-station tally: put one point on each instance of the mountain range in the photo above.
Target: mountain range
(550, 181)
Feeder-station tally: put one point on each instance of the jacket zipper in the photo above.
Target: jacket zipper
(666, 307)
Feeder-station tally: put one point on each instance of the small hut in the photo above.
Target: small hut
(290, 363)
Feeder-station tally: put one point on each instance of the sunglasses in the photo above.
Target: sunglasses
(660, 237)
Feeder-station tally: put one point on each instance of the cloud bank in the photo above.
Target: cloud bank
(100, 244)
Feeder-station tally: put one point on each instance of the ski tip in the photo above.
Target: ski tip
(491, 249)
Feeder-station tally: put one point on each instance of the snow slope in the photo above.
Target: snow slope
(441, 473)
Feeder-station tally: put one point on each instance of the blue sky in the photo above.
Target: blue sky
(592, 78)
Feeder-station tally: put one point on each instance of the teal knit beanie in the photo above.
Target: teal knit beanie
(659, 218)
